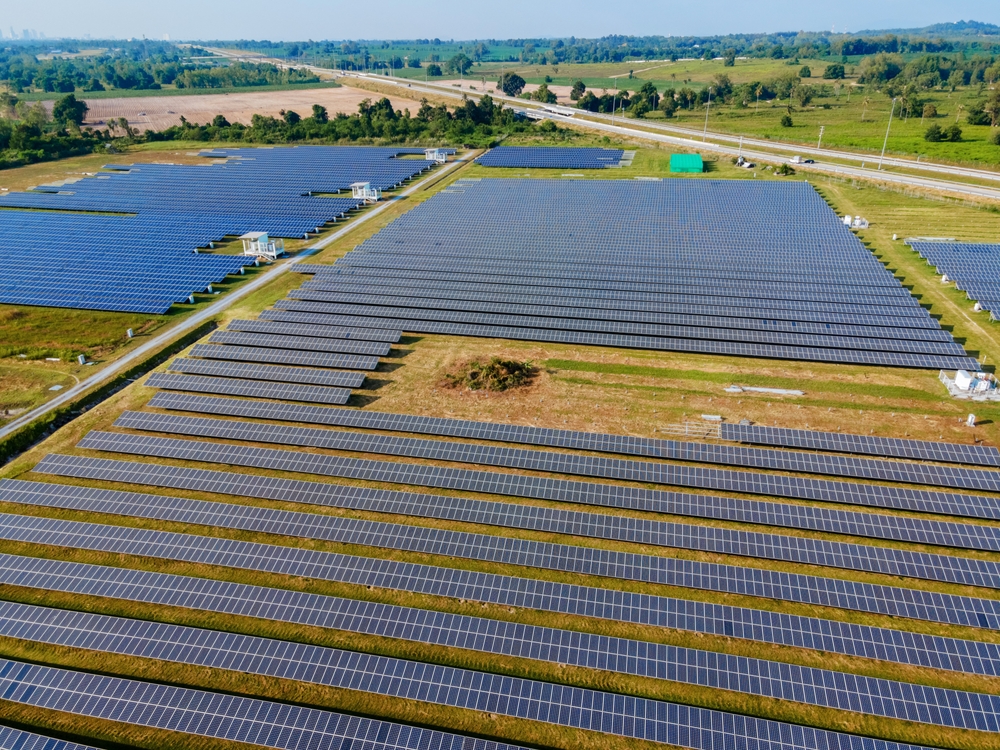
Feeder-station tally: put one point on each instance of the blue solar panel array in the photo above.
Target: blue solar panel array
(974, 267)
(754, 269)
(551, 157)
(125, 240)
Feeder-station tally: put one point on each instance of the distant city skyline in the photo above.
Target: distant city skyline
(296, 20)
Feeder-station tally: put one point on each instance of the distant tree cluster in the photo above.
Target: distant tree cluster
(28, 134)
(139, 65)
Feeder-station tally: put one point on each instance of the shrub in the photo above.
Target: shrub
(834, 72)
(930, 111)
(805, 72)
(784, 169)
(933, 133)
(995, 138)
(495, 375)
(786, 121)
(433, 70)
(952, 133)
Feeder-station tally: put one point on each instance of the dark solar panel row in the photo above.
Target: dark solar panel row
(499, 326)
(283, 357)
(18, 739)
(625, 528)
(332, 332)
(431, 626)
(272, 373)
(403, 678)
(887, 561)
(544, 487)
(233, 718)
(551, 157)
(798, 461)
(316, 394)
(506, 590)
(300, 343)
(838, 324)
(650, 323)
(614, 235)
(981, 455)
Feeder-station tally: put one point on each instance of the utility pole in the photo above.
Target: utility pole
(819, 144)
(886, 141)
(708, 106)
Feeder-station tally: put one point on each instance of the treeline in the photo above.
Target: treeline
(472, 123)
(28, 134)
(140, 65)
(966, 38)
(929, 71)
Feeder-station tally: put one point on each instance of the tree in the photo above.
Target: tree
(589, 102)
(729, 58)
(292, 118)
(460, 63)
(8, 105)
(413, 62)
(69, 111)
(434, 70)
(803, 95)
(929, 111)
(864, 107)
(578, 88)
(805, 72)
(220, 121)
(992, 108)
(834, 72)
(542, 94)
(786, 121)
(995, 140)
(320, 114)
(511, 84)
(933, 133)
(952, 133)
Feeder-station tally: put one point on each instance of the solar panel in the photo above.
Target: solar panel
(221, 716)
(278, 356)
(807, 463)
(432, 626)
(981, 455)
(334, 332)
(883, 560)
(898, 528)
(318, 394)
(274, 373)
(17, 739)
(300, 343)
(551, 157)
(508, 591)
(639, 238)
(872, 495)
(409, 679)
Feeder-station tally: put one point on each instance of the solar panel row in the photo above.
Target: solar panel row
(317, 394)
(873, 495)
(272, 373)
(580, 559)
(552, 158)
(624, 528)
(410, 679)
(431, 626)
(917, 604)
(677, 236)
(228, 717)
(807, 463)
(259, 722)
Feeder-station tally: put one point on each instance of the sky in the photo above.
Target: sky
(455, 19)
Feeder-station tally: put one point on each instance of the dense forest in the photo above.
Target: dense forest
(142, 65)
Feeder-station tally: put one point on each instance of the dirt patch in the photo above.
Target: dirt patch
(494, 374)
(160, 112)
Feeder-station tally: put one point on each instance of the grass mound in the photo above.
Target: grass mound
(495, 375)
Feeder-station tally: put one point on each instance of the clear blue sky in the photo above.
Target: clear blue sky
(462, 19)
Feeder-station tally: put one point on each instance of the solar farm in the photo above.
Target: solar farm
(127, 239)
(972, 267)
(297, 533)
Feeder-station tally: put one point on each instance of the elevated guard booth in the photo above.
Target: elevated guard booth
(259, 245)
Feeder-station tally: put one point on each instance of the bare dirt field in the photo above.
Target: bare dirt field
(160, 112)
(476, 85)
